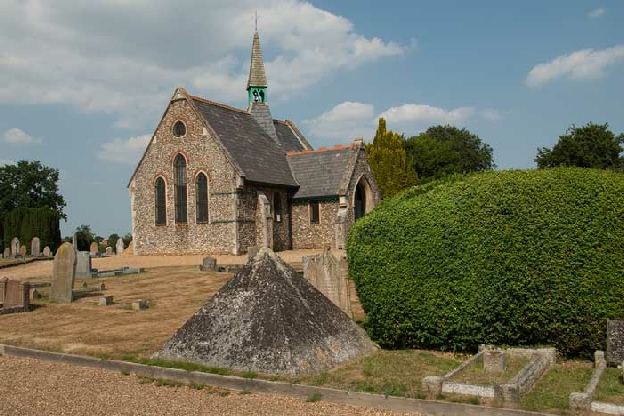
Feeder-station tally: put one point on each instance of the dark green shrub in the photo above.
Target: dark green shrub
(26, 223)
(512, 257)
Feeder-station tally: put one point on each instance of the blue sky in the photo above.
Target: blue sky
(84, 83)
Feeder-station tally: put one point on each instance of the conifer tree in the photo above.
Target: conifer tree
(388, 160)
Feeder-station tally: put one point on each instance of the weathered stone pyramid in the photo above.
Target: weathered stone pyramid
(268, 319)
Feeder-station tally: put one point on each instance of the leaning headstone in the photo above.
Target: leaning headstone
(22, 251)
(83, 264)
(209, 264)
(615, 342)
(7, 253)
(15, 246)
(109, 251)
(93, 248)
(63, 273)
(35, 247)
(268, 319)
(46, 251)
(119, 246)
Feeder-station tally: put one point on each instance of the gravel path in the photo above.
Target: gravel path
(32, 387)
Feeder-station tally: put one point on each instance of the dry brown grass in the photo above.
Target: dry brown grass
(173, 285)
(174, 293)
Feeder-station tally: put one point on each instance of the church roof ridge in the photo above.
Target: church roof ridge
(323, 149)
(227, 107)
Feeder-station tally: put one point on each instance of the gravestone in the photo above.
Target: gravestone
(615, 342)
(119, 246)
(109, 251)
(83, 264)
(494, 361)
(15, 245)
(7, 253)
(93, 249)
(22, 251)
(35, 247)
(140, 305)
(209, 264)
(63, 274)
(46, 251)
(329, 275)
(106, 300)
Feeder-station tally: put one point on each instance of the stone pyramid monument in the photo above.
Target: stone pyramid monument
(268, 319)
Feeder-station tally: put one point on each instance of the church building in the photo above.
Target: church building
(220, 180)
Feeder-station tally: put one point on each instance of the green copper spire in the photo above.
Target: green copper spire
(257, 84)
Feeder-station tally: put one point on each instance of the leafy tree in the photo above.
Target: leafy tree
(590, 146)
(84, 237)
(127, 239)
(112, 239)
(30, 185)
(388, 160)
(446, 150)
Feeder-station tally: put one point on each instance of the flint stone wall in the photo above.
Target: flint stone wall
(203, 154)
(307, 235)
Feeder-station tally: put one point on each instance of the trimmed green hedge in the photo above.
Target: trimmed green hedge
(512, 257)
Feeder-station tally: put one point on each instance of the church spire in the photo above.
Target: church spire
(257, 84)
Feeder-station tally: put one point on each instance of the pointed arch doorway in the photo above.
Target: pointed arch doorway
(363, 202)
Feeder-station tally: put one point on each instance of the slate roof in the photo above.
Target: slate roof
(321, 173)
(257, 76)
(290, 139)
(260, 158)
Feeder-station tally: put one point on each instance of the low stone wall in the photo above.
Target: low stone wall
(541, 360)
(583, 400)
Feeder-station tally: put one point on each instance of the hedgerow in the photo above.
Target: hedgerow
(511, 257)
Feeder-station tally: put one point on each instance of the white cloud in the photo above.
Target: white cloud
(580, 65)
(19, 137)
(127, 151)
(4, 162)
(343, 123)
(125, 58)
(352, 119)
(423, 113)
(596, 13)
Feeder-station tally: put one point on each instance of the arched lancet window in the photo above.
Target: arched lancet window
(201, 198)
(160, 204)
(179, 167)
(277, 206)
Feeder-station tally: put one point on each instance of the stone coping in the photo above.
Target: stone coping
(583, 400)
(399, 404)
(541, 360)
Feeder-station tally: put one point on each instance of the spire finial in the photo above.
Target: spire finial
(256, 20)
